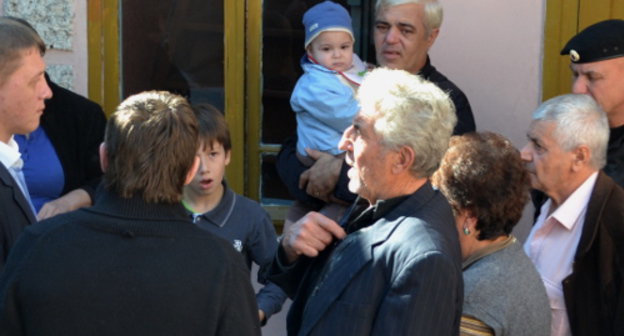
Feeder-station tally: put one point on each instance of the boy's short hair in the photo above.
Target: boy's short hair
(151, 142)
(212, 126)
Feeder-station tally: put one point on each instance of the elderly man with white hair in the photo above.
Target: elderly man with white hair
(393, 264)
(576, 243)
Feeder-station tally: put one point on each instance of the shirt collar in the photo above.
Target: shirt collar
(569, 212)
(360, 215)
(222, 212)
(10, 155)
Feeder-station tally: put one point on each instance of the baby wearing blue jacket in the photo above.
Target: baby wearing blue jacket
(324, 96)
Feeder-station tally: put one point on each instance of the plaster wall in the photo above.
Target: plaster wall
(492, 49)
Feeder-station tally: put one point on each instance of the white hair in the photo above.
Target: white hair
(433, 11)
(409, 111)
(579, 121)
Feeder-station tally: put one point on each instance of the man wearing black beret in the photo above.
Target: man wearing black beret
(597, 62)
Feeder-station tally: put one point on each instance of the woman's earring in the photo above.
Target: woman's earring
(466, 230)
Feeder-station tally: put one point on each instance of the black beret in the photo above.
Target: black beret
(600, 41)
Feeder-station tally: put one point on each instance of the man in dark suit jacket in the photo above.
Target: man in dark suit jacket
(23, 90)
(576, 242)
(393, 266)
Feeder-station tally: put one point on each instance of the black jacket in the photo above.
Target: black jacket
(15, 213)
(75, 126)
(594, 292)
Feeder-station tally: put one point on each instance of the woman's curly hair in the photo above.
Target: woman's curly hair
(483, 174)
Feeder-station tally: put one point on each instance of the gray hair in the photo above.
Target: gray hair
(433, 11)
(579, 120)
(16, 37)
(409, 111)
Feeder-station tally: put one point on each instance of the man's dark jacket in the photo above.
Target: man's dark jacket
(594, 292)
(75, 126)
(125, 267)
(15, 213)
(399, 276)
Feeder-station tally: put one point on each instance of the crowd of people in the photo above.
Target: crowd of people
(404, 214)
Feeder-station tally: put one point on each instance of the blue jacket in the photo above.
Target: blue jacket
(324, 106)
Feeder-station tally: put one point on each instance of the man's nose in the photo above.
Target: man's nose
(525, 154)
(579, 85)
(46, 92)
(392, 36)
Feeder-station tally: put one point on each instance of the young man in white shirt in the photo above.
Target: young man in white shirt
(23, 90)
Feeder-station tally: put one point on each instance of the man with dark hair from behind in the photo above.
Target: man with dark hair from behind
(133, 264)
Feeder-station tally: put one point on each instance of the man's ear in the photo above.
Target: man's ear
(191, 173)
(582, 156)
(433, 36)
(404, 158)
(103, 157)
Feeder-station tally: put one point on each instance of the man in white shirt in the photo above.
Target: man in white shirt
(576, 241)
(23, 90)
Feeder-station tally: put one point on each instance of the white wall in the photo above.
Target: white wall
(492, 49)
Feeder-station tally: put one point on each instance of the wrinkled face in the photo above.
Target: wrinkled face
(212, 162)
(333, 50)
(401, 40)
(549, 165)
(22, 96)
(604, 81)
(370, 172)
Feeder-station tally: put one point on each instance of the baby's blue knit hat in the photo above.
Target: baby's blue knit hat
(326, 16)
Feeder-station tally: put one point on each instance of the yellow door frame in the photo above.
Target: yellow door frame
(565, 18)
(105, 76)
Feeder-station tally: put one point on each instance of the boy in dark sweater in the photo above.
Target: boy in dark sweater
(216, 208)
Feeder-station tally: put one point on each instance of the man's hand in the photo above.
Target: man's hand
(73, 200)
(310, 235)
(320, 180)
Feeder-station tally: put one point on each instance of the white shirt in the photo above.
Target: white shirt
(552, 244)
(10, 155)
(11, 158)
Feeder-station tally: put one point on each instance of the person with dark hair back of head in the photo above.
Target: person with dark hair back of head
(487, 185)
(23, 90)
(133, 264)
